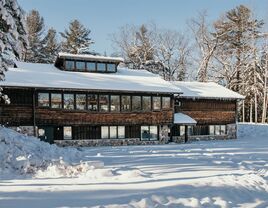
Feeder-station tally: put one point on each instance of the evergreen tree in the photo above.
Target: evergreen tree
(13, 36)
(35, 25)
(75, 38)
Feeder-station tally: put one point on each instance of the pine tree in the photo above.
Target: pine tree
(35, 25)
(13, 36)
(75, 38)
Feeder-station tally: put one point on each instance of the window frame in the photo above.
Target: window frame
(61, 103)
(153, 103)
(65, 65)
(118, 108)
(116, 128)
(101, 63)
(149, 133)
(76, 101)
(64, 137)
(162, 106)
(80, 70)
(132, 105)
(91, 62)
(63, 99)
(97, 103)
(107, 67)
(38, 103)
(108, 103)
(150, 99)
(130, 102)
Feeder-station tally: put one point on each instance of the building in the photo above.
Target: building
(87, 100)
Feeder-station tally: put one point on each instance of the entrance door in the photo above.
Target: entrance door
(46, 134)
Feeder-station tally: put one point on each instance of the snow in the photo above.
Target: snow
(181, 118)
(48, 76)
(230, 173)
(90, 57)
(208, 90)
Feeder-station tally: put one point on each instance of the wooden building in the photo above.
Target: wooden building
(87, 100)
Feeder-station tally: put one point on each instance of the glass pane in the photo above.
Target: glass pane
(156, 103)
(136, 103)
(101, 67)
(80, 66)
(223, 129)
(69, 65)
(56, 101)
(182, 130)
(145, 134)
(217, 130)
(93, 102)
(113, 132)
(190, 130)
(111, 67)
(125, 102)
(91, 66)
(115, 103)
(121, 132)
(146, 103)
(41, 132)
(43, 99)
(81, 101)
(153, 132)
(67, 132)
(211, 130)
(68, 100)
(104, 132)
(165, 102)
(104, 102)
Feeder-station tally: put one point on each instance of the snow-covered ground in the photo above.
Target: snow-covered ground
(230, 173)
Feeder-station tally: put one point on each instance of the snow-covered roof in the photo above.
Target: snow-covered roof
(89, 57)
(48, 76)
(181, 118)
(207, 90)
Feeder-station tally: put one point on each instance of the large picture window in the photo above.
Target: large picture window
(113, 132)
(149, 133)
(146, 103)
(101, 67)
(80, 66)
(67, 132)
(69, 65)
(104, 103)
(217, 130)
(165, 102)
(156, 103)
(125, 103)
(43, 99)
(81, 102)
(136, 103)
(115, 103)
(91, 66)
(93, 102)
(111, 67)
(68, 100)
(105, 132)
(56, 100)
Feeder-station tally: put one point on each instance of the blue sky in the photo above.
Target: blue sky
(105, 17)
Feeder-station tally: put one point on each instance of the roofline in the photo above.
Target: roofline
(212, 98)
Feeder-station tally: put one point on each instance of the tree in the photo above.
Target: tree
(35, 25)
(13, 36)
(76, 37)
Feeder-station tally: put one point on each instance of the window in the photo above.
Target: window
(101, 67)
(156, 103)
(149, 133)
(80, 66)
(104, 102)
(223, 130)
(121, 132)
(190, 130)
(136, 103)
(125, 103)
(69, 65)
(113, 132)
(217, 129)
(146, 103)
(211, 130)
(115, 103)
(165, 102)
(67, 132)
(182, 130)
(91, 66)
(56, 100)
(41, 132)
(111, 67)
(43, 99)
(92, 102)
(68, 100)
(105, 132)
(81, 101)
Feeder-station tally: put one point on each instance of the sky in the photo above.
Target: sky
(105, 17)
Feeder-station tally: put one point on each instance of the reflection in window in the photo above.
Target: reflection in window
(217, 130)
(80, 66)
(165, 102)
(156, 103)
(68, 100)
(104, 102)
(211, 130)
(101, 67)
(136, 103)
(43, 99)
(111, 67)
(146, 103)
(93, 102)
(104, 132)
(145, 133)
(91, 66)
(115, 103)
(121, 132)
(81, 101)
(182, 130)
(113, 132)
(69, 65)
(153, 133)
(67, 132)
(223, 130)
(56, 100)
(125, 103)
